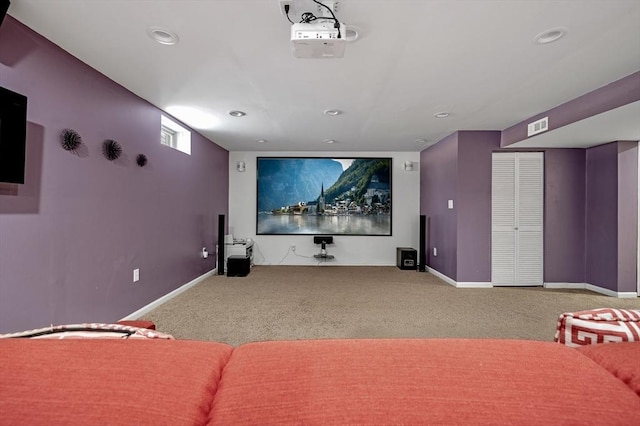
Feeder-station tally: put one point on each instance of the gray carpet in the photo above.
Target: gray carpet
(309, 302)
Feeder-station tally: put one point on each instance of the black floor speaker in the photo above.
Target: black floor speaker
(422, 248)
(238, 266)
(220, 244)
(406, 258)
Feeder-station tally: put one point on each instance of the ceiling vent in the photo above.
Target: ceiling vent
(539, 126)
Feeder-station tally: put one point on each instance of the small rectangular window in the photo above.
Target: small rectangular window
(174, 135)
(169, 137)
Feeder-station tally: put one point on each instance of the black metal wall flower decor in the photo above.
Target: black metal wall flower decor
(111, 149)
(141, 159)
(70, 140)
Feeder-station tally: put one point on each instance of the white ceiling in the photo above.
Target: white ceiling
(473, 58)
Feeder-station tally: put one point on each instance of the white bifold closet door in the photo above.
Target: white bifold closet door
(517, 190)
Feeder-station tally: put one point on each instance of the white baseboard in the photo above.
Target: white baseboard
(577, 286)
(151, 306)
(586, 286)
(612, 293)
(442, 276)
(457, 284)
(594, 288)
(473, 284)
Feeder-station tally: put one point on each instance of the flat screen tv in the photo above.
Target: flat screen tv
(4, 6)
(13, 133)
(317, 195)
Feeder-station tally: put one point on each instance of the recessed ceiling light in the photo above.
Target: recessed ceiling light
(333, 112)
(261, 141)
(441, 114)
(421, 140)
(237, 113)
(329, 141)
(163, 36)
(550, 35)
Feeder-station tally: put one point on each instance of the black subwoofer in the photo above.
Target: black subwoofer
(406, 258)
(238, 266)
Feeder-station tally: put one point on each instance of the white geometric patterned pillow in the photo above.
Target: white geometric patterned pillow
(605, 325)
(89, 331)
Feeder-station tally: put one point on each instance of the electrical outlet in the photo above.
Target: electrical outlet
(293, 247)
(136, 275)
(283, 3)
(435, 251)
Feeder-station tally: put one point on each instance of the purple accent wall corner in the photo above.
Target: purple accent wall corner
(438, 183)
(71, 236)
(564, 216)
(602, 216)
(474, 204)
(627, 216)
(469, 154)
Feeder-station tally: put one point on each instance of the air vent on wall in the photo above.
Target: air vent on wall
(539, 126)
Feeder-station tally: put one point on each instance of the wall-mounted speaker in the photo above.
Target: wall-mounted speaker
(422, 257)
(221, 232)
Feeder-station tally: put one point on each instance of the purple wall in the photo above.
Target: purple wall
(614, 95)
(564, 216)
(627, 216)
(438, 183)
(474, 204)
(612, 216)
(468, 153)
(602, 216)
(72, 235)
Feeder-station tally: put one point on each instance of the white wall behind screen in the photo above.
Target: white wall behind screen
(348, 250)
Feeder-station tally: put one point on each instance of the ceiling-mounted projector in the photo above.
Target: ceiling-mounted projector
(318, 40)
